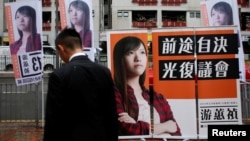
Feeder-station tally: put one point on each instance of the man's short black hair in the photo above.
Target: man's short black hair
(69, 37)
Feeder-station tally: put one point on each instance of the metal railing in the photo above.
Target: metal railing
(49, 62)
(245, 102)
(21, 103)
(5, 63)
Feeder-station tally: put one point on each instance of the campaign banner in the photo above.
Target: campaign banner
(127, 56)
(77, 14)
(24, 20)
(224, 13)
(197, 70)
(195, 80)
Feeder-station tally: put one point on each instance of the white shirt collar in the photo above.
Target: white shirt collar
(77, 54)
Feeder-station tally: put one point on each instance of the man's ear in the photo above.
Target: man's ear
(60, 48)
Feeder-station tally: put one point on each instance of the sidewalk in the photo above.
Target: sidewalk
(29, 132)
(20, 132)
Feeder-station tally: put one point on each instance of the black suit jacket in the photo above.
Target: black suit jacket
(80, 103)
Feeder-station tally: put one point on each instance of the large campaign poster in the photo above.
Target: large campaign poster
(198, 71)
(224, 13)
(129, 43)
(24, 20)
(77, 14)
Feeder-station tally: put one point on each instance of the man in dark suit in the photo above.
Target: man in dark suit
(80, 102)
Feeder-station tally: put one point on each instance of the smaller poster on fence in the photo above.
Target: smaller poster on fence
(224, 13)
(24, 20)
(77, 14)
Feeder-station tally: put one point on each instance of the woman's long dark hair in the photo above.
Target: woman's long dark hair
(31, 13)
(225, 8)
(83, 6)
(121, 48)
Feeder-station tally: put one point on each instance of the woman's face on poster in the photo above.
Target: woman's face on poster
(219, 18)
(22, 22)
(76, 15)
(136, 61)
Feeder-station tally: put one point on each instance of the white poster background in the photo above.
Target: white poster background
(228, 108)
(185, 115)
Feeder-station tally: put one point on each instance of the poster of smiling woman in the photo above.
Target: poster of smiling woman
(24, 20)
